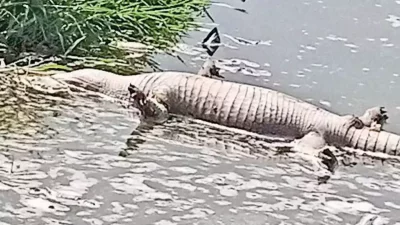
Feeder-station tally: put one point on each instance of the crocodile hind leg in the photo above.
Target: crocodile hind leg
(209, 69)
(211, 44)
(375, 118)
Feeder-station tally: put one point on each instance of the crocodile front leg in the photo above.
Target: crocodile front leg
(151, 107)
(137, 98)
(209, 69)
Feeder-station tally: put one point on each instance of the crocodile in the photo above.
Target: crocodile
(251, 108)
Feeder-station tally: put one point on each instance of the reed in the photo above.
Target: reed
(93, 29)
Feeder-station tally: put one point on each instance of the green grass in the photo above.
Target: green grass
(92, 28)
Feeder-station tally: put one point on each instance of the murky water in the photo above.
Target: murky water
(63, 166)
(71, 173)
(340, 54)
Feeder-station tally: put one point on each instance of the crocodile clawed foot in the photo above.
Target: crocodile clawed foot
(211, 43)
(137, 98)
(375, 118)
(209, 69)
(329, 160)
(141, 101)
(314, 149)
(214, 71)
(375, 126)
(152, 108)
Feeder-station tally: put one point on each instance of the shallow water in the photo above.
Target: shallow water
(74, 175)
(64, 168)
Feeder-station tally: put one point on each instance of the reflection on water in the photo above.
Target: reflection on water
(60, 160)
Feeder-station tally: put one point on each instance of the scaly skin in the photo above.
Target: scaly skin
(251, 108)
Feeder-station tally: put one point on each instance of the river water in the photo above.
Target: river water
(339, 54)
(63, 166)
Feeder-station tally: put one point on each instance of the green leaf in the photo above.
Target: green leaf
(73, 46)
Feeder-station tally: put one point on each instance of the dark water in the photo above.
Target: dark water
(64, 168)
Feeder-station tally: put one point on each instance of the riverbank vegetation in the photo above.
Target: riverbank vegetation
(119, 35)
